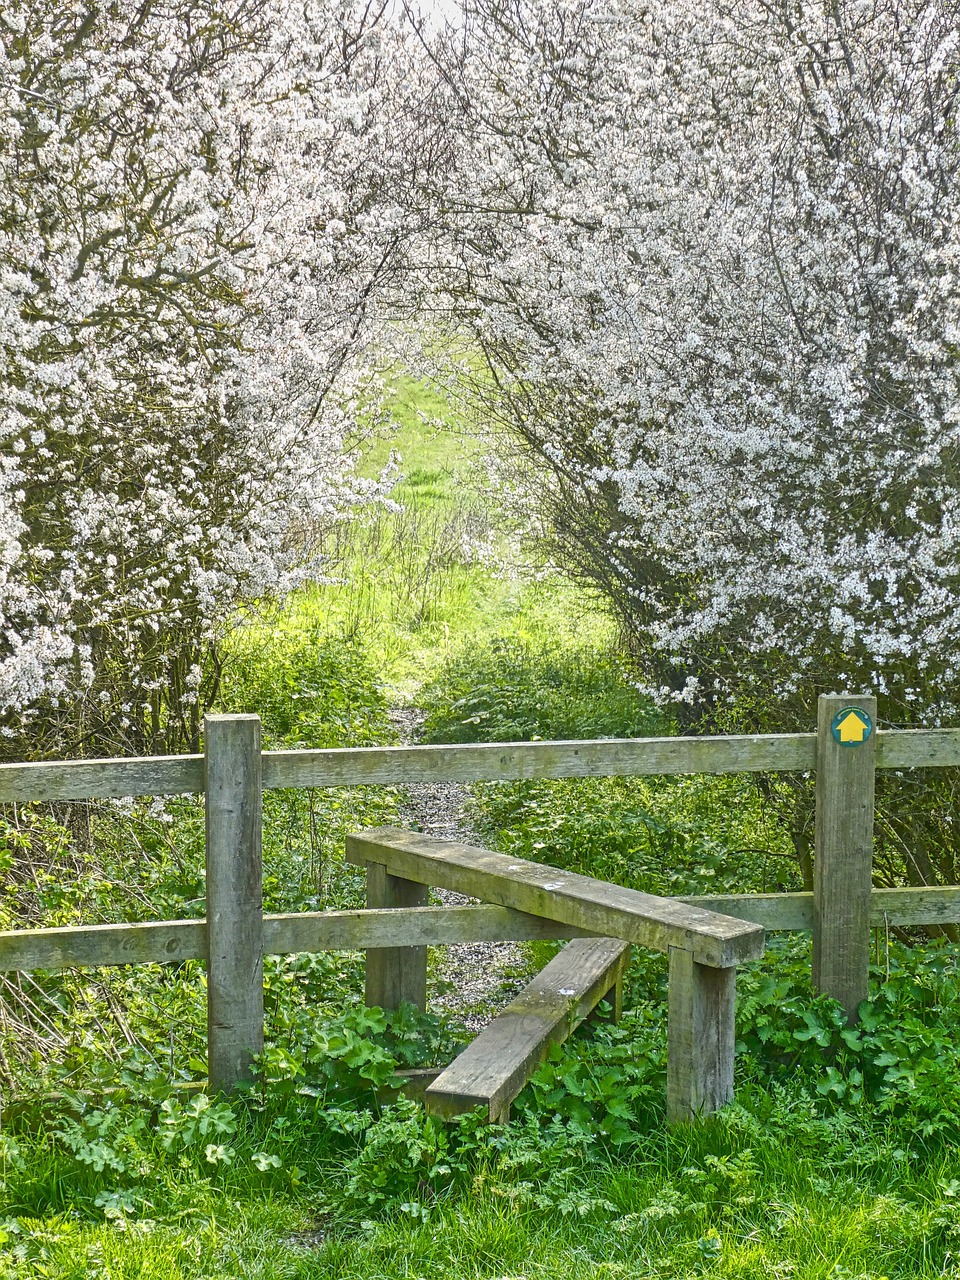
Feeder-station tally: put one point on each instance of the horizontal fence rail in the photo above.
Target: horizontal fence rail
(793, 912)
(483, 762)
(167, 941)
(172, 941)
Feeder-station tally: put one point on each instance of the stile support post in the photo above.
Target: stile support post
(233, 799)
(700, 1037)
(395, 974)
(843, 864)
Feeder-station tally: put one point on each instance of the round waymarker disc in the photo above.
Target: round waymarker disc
(851, 727)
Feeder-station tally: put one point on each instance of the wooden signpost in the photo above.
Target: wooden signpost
(843, 861)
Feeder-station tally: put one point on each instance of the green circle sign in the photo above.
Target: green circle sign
(851, 727)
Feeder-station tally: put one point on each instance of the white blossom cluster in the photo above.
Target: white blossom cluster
(712, 253)
(198, 214)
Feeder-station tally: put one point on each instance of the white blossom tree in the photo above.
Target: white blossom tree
(711, 254)
(201, 204)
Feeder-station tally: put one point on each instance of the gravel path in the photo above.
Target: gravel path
(474, 979)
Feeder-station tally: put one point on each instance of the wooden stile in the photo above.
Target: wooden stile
(703, 947)
(234, 899)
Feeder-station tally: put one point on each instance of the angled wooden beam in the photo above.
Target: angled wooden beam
(605, 910)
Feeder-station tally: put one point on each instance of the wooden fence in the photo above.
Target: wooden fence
(841, 910)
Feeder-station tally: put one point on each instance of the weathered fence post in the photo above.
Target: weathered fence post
(395, 974)
(842, 870)
(232, 775)
(700, 1037)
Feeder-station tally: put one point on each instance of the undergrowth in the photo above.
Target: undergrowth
(515, 690)
(668, 835)
(129, 861)
(836, 1160)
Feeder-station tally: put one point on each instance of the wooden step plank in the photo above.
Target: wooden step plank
(605, 910)
(494, 1068)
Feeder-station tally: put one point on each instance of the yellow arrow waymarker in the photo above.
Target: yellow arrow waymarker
(851, 727)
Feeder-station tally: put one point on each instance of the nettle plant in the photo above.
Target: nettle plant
(200, 209)
(710, 254)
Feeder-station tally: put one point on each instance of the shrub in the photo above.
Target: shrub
(899, 1059)
(670, 836)
(309, 688)
(514, 691)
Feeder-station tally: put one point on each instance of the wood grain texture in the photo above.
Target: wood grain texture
(700, 1037)
(794, 911)
(234, 899)
(101, 779)
(790, 912)
(918, 748)
(166, 941)
(414, 927)
(393, 975)
(477, 762)
(355, 766)
(103, 944)
(843, 862)
(493, 1069)
(602, 909)
(914, 906)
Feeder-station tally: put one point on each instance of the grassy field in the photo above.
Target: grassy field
(839, 1159)
(432, 573)
(771, 1188)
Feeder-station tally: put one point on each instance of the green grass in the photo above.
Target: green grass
(738, 1198)
(414, 583)
(425, 436)
(316, 1180)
